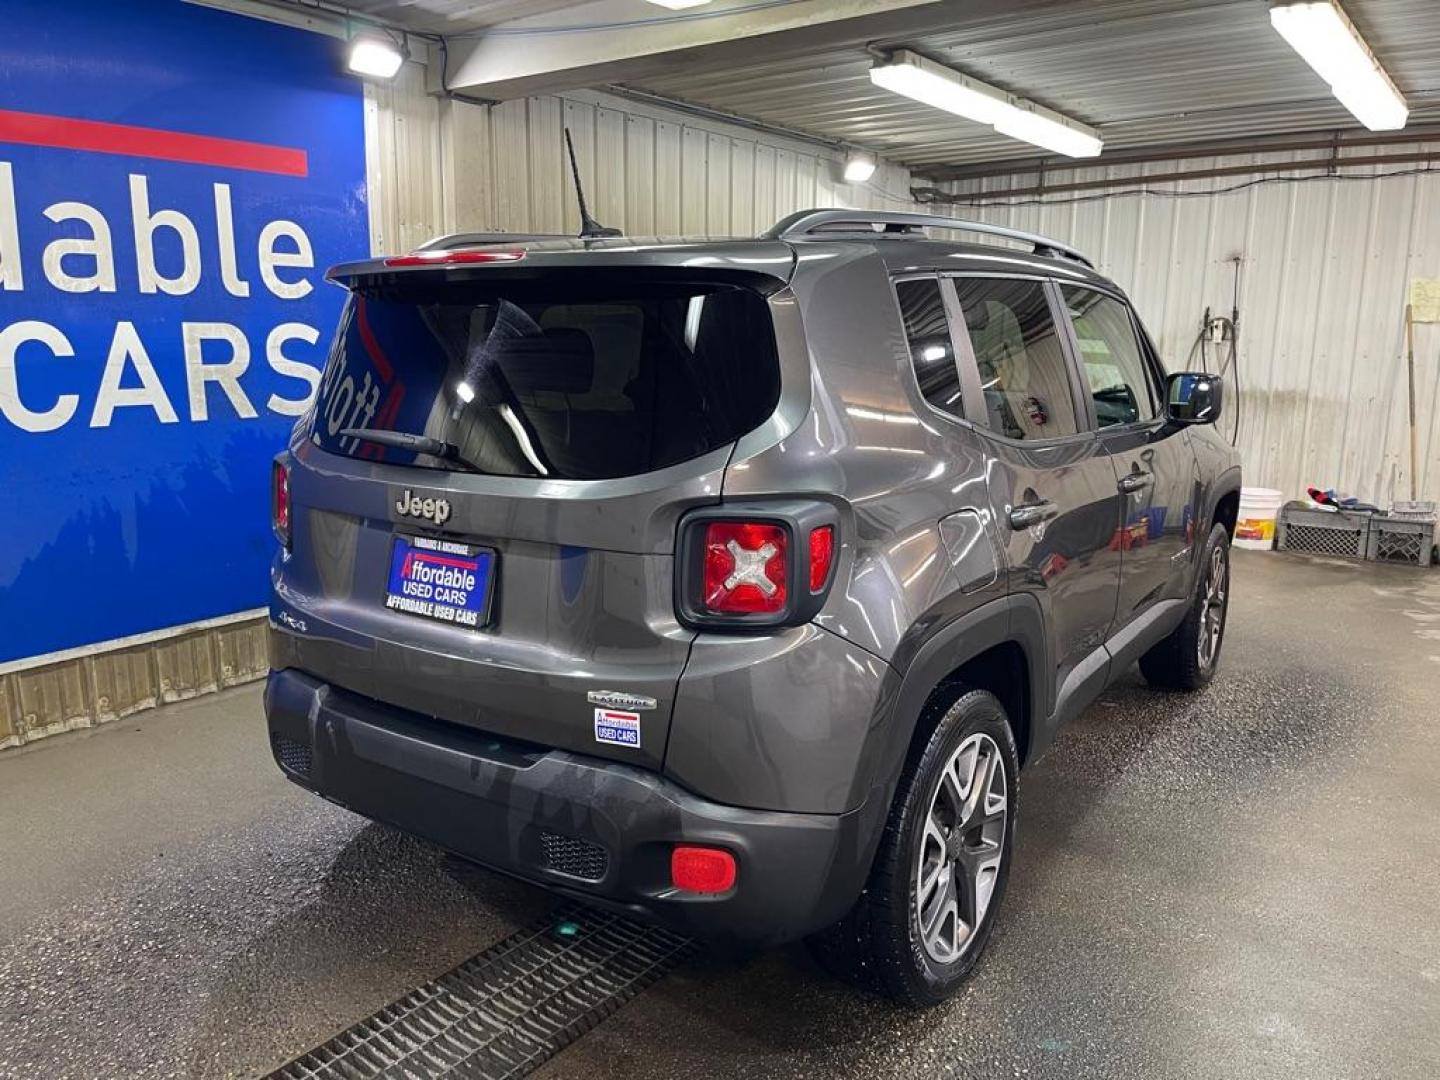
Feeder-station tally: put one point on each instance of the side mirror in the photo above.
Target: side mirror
(1193, 397)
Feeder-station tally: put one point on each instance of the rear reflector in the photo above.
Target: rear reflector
(745, 567)
(702, 869)
(453, 258)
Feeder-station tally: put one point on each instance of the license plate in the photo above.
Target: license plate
(441, 580)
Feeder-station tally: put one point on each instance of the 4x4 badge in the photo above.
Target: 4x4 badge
(614, 699)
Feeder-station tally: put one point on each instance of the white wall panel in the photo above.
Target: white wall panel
(439, 165)
(1326, 266)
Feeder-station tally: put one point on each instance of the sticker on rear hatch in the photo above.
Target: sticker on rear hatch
(441, 580)
(617, 728)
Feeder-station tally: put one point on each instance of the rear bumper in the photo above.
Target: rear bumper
(589, 828)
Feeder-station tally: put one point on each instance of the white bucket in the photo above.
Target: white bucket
(1255, 526)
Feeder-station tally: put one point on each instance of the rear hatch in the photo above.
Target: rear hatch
(485, 497)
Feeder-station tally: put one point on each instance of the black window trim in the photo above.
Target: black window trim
(947, 298)
(976, 416)
(1147, 358)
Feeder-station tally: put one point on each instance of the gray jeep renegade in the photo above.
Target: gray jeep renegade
(731, 584)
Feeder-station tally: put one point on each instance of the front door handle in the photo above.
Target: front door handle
(1136, 481)
(1032, 513)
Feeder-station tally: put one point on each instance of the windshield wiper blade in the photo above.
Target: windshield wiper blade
(404, 440)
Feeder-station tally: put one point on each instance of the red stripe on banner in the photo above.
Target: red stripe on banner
(65, 133)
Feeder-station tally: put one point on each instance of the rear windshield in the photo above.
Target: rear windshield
(537, 379)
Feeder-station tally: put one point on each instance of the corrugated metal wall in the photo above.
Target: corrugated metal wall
(440, 166)
(1325, 269)
(1325, 263)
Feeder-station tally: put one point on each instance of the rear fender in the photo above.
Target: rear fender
(1014, 618)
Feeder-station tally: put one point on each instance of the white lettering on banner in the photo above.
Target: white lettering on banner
(282, 245)
(227, 375)
(271, 259)
(12, 272)
(145, 225)
(127, 353)
(14, 410)
(295, 369)
(98, 247)
(126, 345)
(225, 235)
(80, 256)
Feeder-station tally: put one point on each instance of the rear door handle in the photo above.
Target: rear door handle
(1032, 513)
(1136, 481)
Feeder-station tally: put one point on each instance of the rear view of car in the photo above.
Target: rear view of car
(500, 541)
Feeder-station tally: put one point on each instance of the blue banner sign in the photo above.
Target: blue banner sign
(174, 180)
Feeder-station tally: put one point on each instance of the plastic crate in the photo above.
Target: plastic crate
(1401, 539)
(1412, 511)
(1324, 532)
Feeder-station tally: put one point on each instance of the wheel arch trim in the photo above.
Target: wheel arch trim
(1013, 619)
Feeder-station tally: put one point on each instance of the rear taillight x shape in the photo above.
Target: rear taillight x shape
(745, 567)
(769, 565)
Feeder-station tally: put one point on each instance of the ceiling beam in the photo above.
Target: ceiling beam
(1312, 140)
(1428, 158)
(619, 41)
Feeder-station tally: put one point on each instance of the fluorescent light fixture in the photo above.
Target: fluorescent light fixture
(936, 85)
(1326, 40)
(679, 5)
(1033, 124)
(859, 168)
(376, 57)
(944, 88)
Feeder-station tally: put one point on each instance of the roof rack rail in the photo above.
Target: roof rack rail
(476, 239)
(812, 222)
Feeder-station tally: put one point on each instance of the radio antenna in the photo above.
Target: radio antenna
(589, 227)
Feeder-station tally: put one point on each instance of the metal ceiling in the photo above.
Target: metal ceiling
(452, 16)
(1148, 73)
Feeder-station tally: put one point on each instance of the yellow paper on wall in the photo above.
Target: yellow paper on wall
(1425, 299)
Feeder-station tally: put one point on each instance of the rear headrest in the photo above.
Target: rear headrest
(977, 315)
(561, 361)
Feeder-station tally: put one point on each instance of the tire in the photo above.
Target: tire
(881, 944)
(1188, 657)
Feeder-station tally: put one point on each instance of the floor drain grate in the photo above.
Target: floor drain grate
(506, 1011)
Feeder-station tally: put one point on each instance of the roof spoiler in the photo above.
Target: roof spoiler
(805, 224)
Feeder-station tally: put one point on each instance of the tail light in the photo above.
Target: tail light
(745, 567)
(766, 565)
(280, 501)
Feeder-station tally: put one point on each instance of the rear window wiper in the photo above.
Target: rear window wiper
(404, 440)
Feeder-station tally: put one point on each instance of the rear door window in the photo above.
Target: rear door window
(1115, 370)
(932, 352)
(1024, 376)
(547, 379)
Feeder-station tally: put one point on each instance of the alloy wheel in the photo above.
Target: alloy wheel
(962, 848)
(1212, 611)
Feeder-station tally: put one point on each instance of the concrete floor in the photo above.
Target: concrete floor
(1241, 883)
